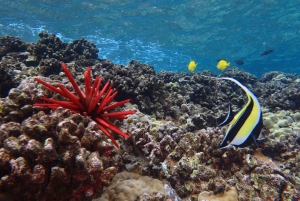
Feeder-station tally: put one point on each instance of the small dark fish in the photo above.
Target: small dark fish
(266, 52)
(239, 62)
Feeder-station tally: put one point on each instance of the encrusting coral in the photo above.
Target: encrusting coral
(230, 195)
(129, 186)
(282, 122)
(93, 103)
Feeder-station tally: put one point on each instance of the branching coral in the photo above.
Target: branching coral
(93, 103)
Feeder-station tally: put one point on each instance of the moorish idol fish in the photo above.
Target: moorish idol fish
(244, 128)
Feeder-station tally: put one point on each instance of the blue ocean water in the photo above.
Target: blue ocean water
(168, 34)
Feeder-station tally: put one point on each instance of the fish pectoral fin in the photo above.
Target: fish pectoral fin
(228, 118)
(254, 140)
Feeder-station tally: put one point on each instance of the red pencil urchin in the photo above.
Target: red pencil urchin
(94, 103)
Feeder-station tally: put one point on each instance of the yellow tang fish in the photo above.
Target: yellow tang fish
(223, 64)
(192, 66)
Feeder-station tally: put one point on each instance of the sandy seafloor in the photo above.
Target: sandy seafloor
(172, 152)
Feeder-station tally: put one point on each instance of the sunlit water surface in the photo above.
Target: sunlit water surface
(168, 34)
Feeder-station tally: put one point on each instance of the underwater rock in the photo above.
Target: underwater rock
(6, 77)
(49, 66)
(194, 158)
(20, 59)
(130, 186)
(278, 76)
(278, 95)
(11, 44)
(141, 68)
(81, 49)
(18, 105)
(282, 122)
(138, 82)
(285, 150)
(240, 75)
(150, 139)
(229, 195)
(171, 77)
(279, 91)
(54, 145)
(154, 196)
(50, 46)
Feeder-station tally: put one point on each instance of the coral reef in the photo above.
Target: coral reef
(282, 122)
(58, 155)
(192, 164)
(61, 156)
(279, 90)
(52, 47)
(242, 76)
(13, 47)
(6, 79)
(230, 195)
(11, 44)
(49, 66)
(17, 106)
(139, 82)
(129, 186)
